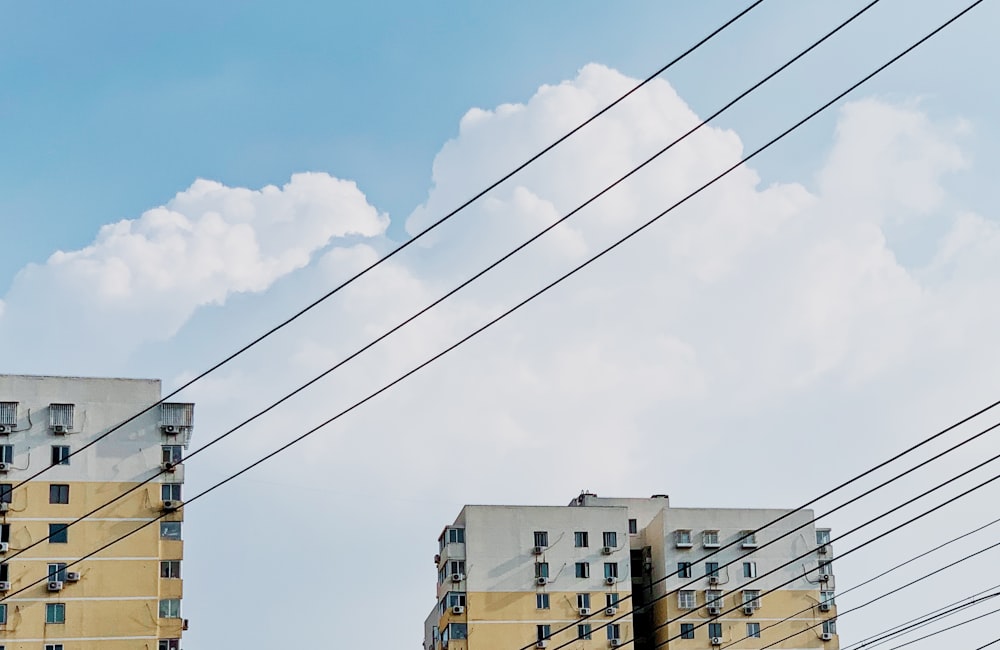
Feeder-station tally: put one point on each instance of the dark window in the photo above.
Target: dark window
(712, 569)
(541, 538)
(172, 454)
(55, 613)
(541, 569)
(170, 491)
(683, 569)
(6, 492)
(58, 493)
(582, 570)
(170, 530)
(58, 533)
(715, 630)
(610, 569)
(7, 454)
(57, 571)
(687, 630)
(60, 454)
(169, 644)
(5, 533)
(583, 631)
(633, 527)
(541, 601)
(170, 569)
(4, 572)
(544, 632)
(611, 539)
(580, 539)
(614, 631)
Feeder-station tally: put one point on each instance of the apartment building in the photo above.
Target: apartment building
(607, 572)
(127, 596)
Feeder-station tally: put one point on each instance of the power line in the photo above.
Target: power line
(946, 629)
(408, 242)
(484, 271)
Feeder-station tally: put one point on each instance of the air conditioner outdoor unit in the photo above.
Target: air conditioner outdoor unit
(584, 611)
(823, 550)
(541, 581)
(172, 504)
(457, 609)
(170, 429)
(541, 643)
(6, 428)
(610, 580)
(4, 547)
(716, 640)
(168, 467)
(537, 550)
(824, 607)
(4, 586)
(72, 576)
(607, 550)
(610, 611)
(615, 642)
(713, 580)
(5, 467)
(457, 577)
(4, 506)
(714, 611)
(748, 609)
(826, 636)
(56, 585)
(824, 577)
(60, 429)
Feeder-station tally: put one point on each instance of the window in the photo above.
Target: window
(710, 539)
(822, 536)
(4, 572)
(7, 453)
(53, 646)
(544, 631)
(170, 530)
(686, 599)
(583, 631)
(683, 569)
(826, 566)
(712, 569)
(752, 597)
(58, 493)
(170, 608)
(713, 597)
(56, 612)
(633, 527)
(583, 600)
(541, 538)
(827, 597)
(6, 492)
(753, 630)
(580, 539)
(172, 454)
(456, 566)
(541, 601)
(541, 569)
(58, 533)
(582, 569)
(749, 569)
(614, 631)
(687, 630)
(451, 536)
(682, 538)
(3, 616)
(610, 569)
(830, 626)
(170, 491)
(60, 454)
(454, 631)
(8, 414)
(715, 630)
(170, 569)
(455, 599)
(169, 644)
(57, 571)
(611, 600)
(611, 539)
(61, 415)
(748, 539)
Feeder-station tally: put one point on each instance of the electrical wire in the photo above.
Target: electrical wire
(260, 338)
(946, 629)
(482, 272)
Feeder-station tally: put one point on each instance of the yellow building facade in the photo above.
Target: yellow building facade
(129, 594)
(606, 573)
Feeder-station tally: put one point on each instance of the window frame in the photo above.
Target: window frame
(710, 538)
(610, 569)
(715, 630)
(59, 493)
(687, 599)
(711, 569)
(582, 569)
(58, 533)
(684, 570)
(542, 601)
(583, 600)
(55, 613)
(687, 630)
(610, 538)
(170, 569)
(7, 453)
(581, 539)
(584, 631)
(753, 630)
(633, 526)
(56, 572)
(541, 569)
(541, 538)
(61, 454)
(750, 569)
(614, 631)
(172, 606)
(170, 491)
(165, 525)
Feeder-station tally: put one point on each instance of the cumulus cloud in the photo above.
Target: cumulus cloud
(141, 279)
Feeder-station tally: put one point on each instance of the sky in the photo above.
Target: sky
(177, 178)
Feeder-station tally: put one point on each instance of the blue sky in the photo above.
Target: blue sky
(819, 311)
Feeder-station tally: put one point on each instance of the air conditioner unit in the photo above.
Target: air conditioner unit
(72, 576)
(457, 577)
(6, 428)
(168, 467)
(748, 610)
(4, 506)
(541, 581)
(170, 429)
(716, 640)
(615, 642)
(4, 547)
(56, 585)
(824, 607)
(714, 611)
(610, 611)
(607, 550)
(537, 550)
(610, 580)
(457, 609)
(5, 467)
(584, 611)
(541, 643)
(824, 577)
(823, 550)
(172, 504)
(826, 636)
(4, 586)
(713, 580)
(60, 429)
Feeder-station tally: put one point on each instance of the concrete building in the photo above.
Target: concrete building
(511, 577)
(127, 596)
